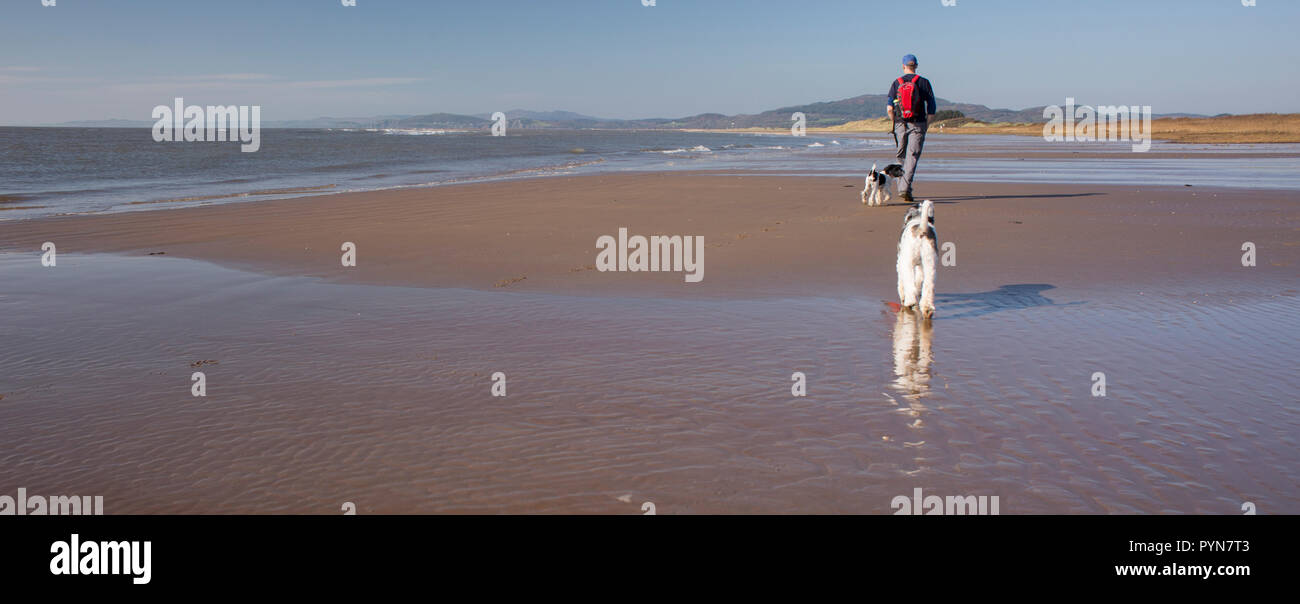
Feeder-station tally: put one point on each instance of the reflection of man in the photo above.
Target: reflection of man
(912, 338)
(911, 100)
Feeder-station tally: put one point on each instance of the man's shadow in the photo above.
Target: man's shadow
(1008, 297)
(955, 199)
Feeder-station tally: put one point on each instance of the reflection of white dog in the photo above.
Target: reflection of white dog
(918, 250)
(880, 183)
(912, 340)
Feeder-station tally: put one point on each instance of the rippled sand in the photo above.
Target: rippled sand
(321, 393)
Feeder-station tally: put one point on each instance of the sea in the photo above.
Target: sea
(58, 171)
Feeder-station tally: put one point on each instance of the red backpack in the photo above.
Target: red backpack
(907, 97)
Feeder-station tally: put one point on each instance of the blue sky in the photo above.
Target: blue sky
(97, 59)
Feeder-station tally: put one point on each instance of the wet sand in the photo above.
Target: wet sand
(373, 384)
(765, 235)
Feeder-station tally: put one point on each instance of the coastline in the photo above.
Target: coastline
(1264, 128)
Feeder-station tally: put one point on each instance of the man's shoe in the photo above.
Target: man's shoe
(907, 196)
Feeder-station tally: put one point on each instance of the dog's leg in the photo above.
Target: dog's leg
(906, 277)
(902, 285)
(884, 192)
(864, 197)
(928, 260)
(918, 281)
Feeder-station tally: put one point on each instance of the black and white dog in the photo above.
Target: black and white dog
(918, 252)
(880, 183)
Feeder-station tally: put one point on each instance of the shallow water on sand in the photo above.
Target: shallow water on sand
(321, 393)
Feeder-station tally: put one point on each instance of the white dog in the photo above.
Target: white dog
(918, 250)
(880, 183)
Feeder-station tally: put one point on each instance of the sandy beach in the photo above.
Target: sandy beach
(371, 384)
(765, 235)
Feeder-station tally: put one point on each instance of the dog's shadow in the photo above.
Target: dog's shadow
(1008, 297)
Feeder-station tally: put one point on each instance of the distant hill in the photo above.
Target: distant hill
(335, 122)
(819, 115)
(438, 120)
(545, 116)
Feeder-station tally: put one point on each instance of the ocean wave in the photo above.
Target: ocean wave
(405, 131)
(548, 169)
(257, 193)
(417, 131)
(697, 148)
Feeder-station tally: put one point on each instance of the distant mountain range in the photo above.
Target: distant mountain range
(818, 115)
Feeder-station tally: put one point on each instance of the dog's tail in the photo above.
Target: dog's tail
(927, 210)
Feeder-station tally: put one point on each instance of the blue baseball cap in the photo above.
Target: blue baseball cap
(909, 60)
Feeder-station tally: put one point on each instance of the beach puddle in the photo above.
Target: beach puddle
(321, 393)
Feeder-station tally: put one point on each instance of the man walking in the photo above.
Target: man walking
(911, 100)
